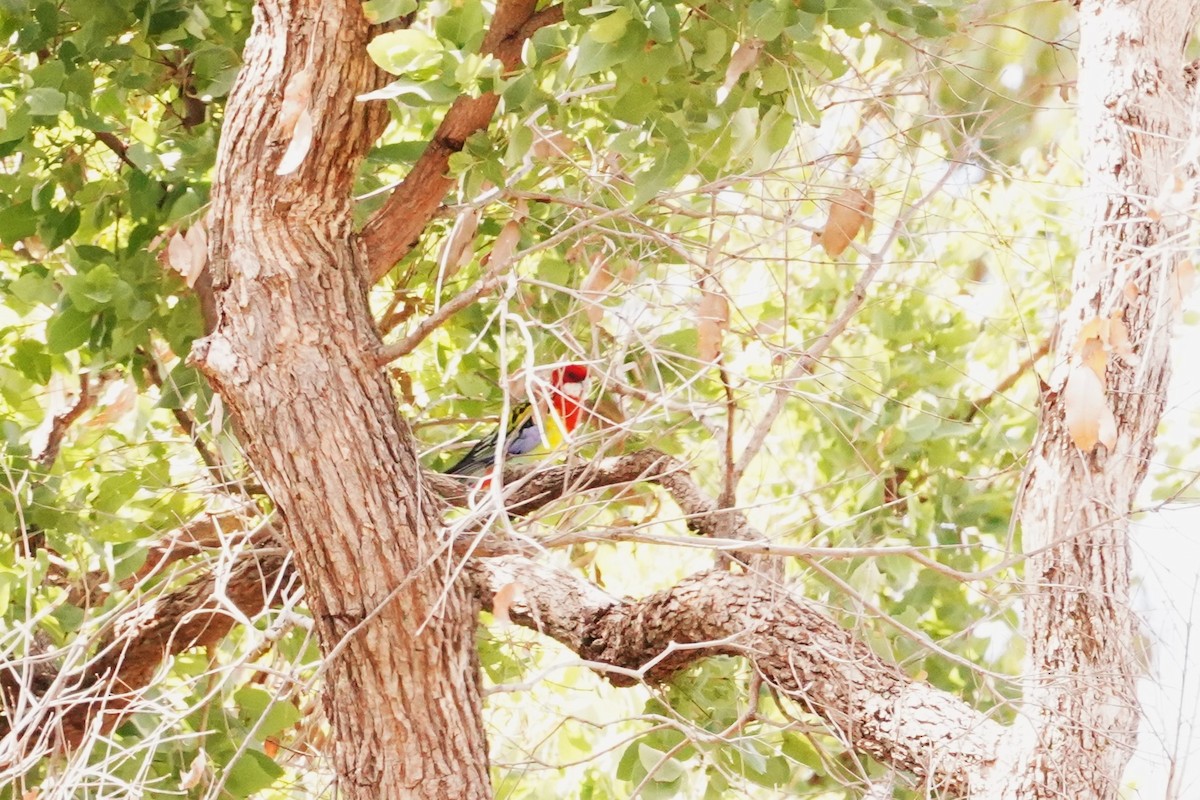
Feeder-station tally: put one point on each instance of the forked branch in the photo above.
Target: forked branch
(393, 231)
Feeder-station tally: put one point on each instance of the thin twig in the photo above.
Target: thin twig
(1011, 379)
(64, 420)
(490, 280)
(809, 358)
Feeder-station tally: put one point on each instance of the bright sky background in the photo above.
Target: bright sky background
(1166, 558)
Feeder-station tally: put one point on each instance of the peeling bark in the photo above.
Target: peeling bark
(1080, 705)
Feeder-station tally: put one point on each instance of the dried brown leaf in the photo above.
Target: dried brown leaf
(744, 57)
(457, 250)
(191, 778)
(548, 144)
(503, 600)
(1182, 279)
(179, 253)
(1118, 340)
(35, 247)
(853, 151)
(197, 239)
(296, 95)
(1088, 418)
(1091, 346)
(505, 246)
(216, 416)
(593, 287)
(116, 404)
(712, 321)
(850, 212)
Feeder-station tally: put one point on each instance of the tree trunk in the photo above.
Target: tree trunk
(1080, 721)
(293, 356)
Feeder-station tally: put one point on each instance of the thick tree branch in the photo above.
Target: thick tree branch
(395, 228)
(793, 645)
(1085, 468)
(531, 488)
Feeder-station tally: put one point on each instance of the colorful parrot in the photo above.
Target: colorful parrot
(529, 430)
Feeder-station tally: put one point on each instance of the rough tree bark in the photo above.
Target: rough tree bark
(1081, 709)
(293, 356)
(792, 643)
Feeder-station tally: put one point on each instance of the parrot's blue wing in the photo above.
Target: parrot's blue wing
(523, 436)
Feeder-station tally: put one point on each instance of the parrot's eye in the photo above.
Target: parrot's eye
(575, 373)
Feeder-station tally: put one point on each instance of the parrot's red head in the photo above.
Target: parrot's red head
(568, 385)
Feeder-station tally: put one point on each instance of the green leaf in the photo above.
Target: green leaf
(610, 28)
(34, 288)
(405, 51)
(850, 15)
(45, 101)
(251, 773)
(377, 11)
(663, 21)
(115, 491)
(16, 126)
(630, 765)
(69, 617)
(767, 19)
(8, 582)
(665, 772)
(17, 222)
(594, 56)
(270, 716)
(69, 329)
(668, 166)
(96, 288)
(58, 227)
(463, 26)
(31, 358)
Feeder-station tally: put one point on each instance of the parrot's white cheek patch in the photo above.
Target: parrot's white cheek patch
(573, 390)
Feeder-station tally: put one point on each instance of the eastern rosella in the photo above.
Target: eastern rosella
(531, 429)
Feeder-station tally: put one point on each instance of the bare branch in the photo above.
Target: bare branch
(799, 651)
(186, 423)
(206, 531)
(534, 488)
(490, 280)
(64, 420)
(118, 147)
(1011, 379)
